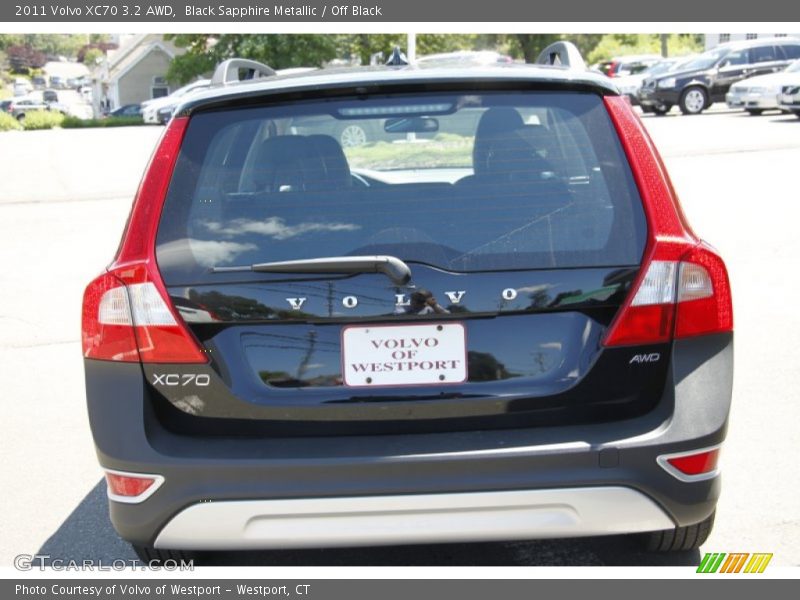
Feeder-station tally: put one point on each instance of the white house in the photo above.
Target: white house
(714, 39)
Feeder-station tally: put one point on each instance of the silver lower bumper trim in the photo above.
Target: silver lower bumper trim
(423, 518)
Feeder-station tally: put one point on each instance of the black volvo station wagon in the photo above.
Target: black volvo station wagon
(448, 333)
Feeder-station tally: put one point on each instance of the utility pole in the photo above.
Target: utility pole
(664, 48)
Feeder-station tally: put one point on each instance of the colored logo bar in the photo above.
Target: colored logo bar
(734, 562)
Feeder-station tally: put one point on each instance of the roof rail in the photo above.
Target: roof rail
(564, 54)
(227, 72)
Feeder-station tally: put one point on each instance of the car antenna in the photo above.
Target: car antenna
(397, 59)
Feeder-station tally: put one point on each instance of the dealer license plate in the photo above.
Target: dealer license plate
(432, 353)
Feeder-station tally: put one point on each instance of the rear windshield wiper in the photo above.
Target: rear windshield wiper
(394, 268)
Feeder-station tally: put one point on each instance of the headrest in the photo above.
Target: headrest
(297, 163)
(493, 125)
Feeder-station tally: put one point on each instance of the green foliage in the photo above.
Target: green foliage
(204, 51)
(644, 43)
(8, 123)
(361, 46)
(91, 56)
(527, 46)
(280, 51)
(76, 123)
(42, 119)
(51, 44)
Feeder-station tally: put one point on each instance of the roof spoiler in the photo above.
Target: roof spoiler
(562, 54)
(229, 72)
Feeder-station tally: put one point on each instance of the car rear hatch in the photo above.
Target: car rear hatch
(475, 277)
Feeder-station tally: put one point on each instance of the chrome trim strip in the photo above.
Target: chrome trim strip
(418, 518)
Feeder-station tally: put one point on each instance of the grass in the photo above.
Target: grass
(42, 119)
(9, 123)
(445, 150)
(76, 123)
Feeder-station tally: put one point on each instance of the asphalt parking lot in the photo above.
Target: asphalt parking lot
(64, 198)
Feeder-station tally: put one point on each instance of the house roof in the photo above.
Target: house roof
(135, 51)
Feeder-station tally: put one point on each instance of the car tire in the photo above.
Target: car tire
(149, 555)
(754, 111)
(647, 109)
(660, 111)
(694, 100)
(352, 135)
(21, 117)
(680, 539)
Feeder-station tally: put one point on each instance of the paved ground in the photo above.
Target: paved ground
(63, 202)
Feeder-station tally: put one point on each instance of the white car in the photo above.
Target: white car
(150, 108)
(760, 93)
(22, 87)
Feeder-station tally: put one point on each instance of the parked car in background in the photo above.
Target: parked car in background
(705, 80)
(5, 106)
(789, 99)
(629, 84)
(39, 82)
(621, 66)
(150, 108)
(20, 107)
(128, 110)
(757, 94)
(164, 114)
(22, 87)
(464, 59)
(57, 82)
(49, 96)
(511, 334)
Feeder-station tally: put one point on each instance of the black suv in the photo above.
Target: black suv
(707, 78)
(508, 333)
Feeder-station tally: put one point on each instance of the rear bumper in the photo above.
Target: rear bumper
(423, 518)
(214, 488)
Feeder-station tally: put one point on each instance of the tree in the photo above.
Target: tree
(529, 45)
(23, 58)
(280, 51)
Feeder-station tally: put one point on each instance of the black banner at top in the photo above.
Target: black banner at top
(384, 11)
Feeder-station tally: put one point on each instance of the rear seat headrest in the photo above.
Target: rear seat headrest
(494, 124)
(297, 162)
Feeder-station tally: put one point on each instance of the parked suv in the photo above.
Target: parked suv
(508, 333)
(706, 79)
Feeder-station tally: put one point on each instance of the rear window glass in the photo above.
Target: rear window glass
(463, 182)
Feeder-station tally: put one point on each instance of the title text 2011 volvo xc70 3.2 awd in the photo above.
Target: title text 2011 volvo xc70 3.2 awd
(489, 322)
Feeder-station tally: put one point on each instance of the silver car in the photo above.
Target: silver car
(757, 94)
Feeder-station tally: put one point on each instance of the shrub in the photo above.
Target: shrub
(76, 123)
(42, 119)
(8, 123)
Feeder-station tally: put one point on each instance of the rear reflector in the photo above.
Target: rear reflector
(695, 465)
(131, 487)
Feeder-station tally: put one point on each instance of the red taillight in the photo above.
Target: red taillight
(107, 331)
(704, 295)
(131, 487)
(127, 315)
(692, 466)
(682, 288)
